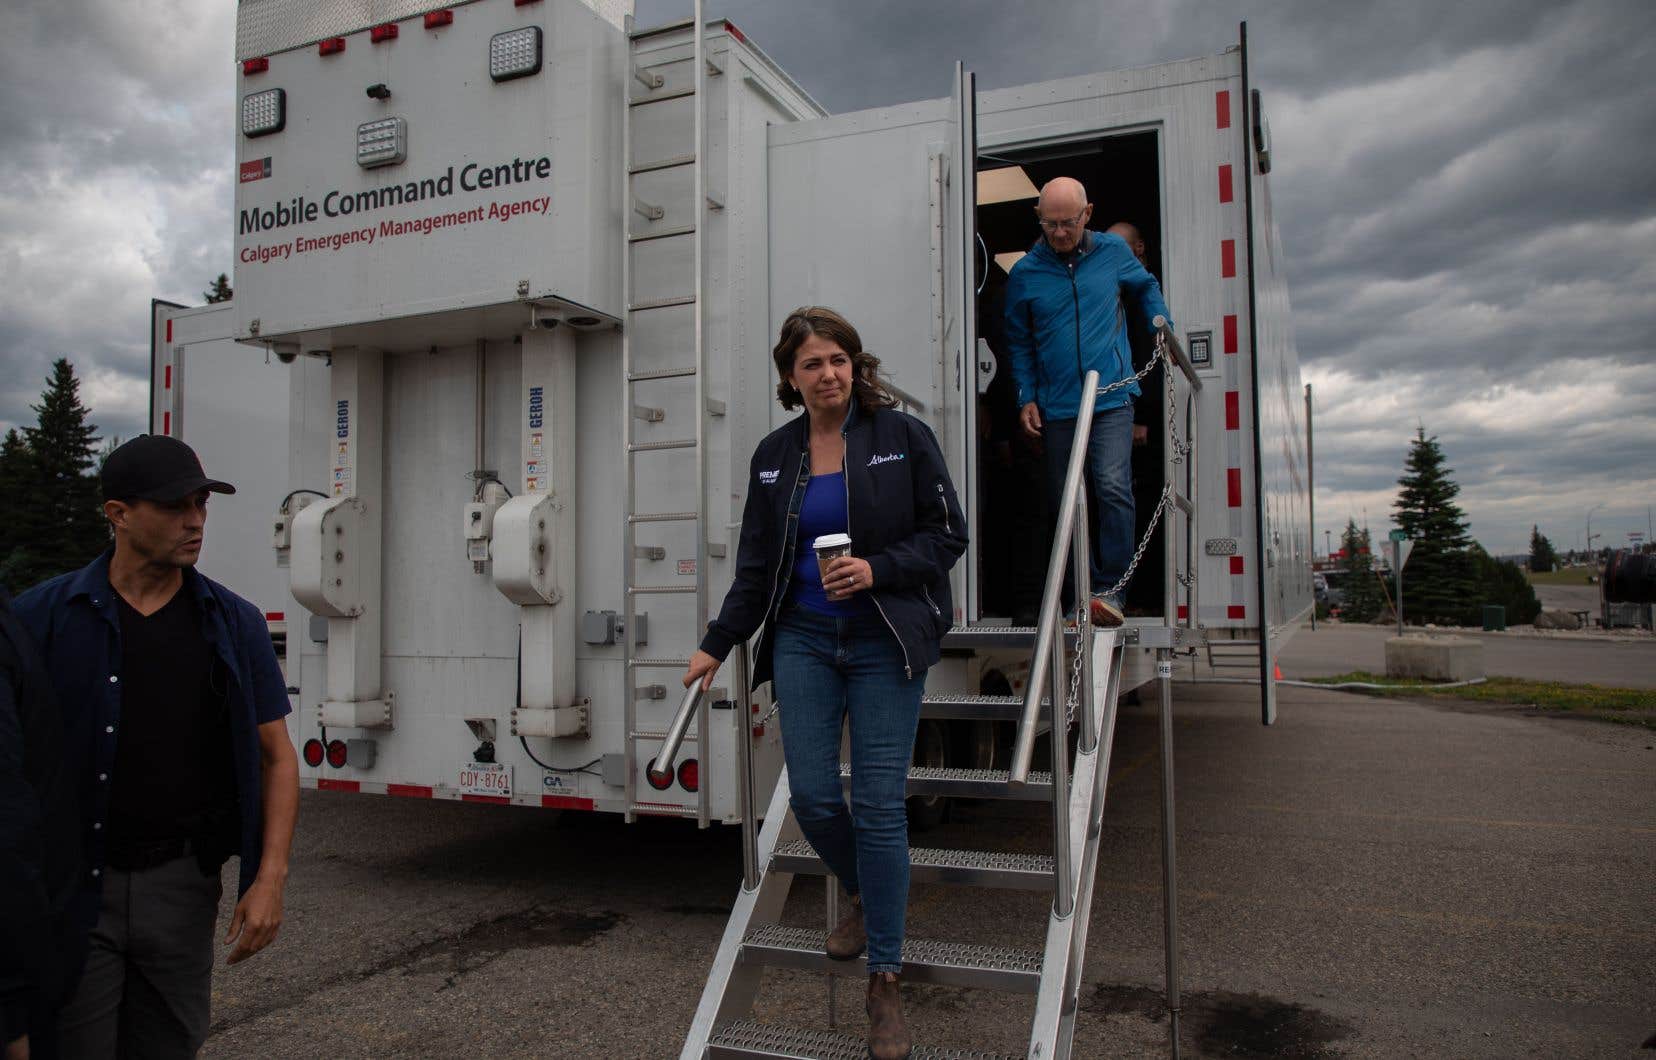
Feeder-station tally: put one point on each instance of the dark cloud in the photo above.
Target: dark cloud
(1464, 192)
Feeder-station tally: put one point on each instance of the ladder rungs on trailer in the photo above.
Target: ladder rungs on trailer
(665, 233)
(659, 590)
(662, 517)
(659, 664)
(662, 303)
(656, 447)
(924, 960)
(662, 373)
(678, 93)
(663, 163)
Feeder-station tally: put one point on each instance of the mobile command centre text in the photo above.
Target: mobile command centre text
(473, 176)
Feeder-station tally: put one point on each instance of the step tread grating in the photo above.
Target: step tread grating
(940, 857)
(753, 1038)
(947, 774)
(930, 952)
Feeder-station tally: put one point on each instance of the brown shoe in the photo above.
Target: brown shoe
(888, 1036)
(847, 941)
(1105, 612)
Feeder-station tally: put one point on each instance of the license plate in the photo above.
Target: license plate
(485, 778)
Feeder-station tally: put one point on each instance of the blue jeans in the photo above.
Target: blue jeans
(1108, 477)
(825, 668)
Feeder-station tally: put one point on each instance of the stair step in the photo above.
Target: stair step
(746, 1038)
(924, 960)
(970, 783)
(975, 707)
(997, 637)
(979, 868)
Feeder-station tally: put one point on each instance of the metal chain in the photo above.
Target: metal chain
(1180, 447)
(1149, 367)
(1149, 532)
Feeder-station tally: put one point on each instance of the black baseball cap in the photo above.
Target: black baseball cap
(154, 467)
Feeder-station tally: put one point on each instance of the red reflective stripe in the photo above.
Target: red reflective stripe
(503, 800)
(1233, 410)
(1221, 107)
(409, 791)
(565, 802)
(325, 784)
(1184, 611)
(273, 616)
(166, 377)
(730, 27)
(1236, 564)
(1233, 486)
(169, 330)
(1225, 183)
(1230, 333)
(1227, 258)
(1236, 611)
(166, 423)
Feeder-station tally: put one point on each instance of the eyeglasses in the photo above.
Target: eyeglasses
(1053, 226)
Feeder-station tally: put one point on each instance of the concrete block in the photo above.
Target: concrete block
(1434, 658)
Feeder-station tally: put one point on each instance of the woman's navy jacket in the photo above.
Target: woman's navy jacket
(904, 520)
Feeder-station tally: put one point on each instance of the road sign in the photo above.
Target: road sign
(1399, 535)
(1401, 547)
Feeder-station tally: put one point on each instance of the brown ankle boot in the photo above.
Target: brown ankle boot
(849, 938)
(888, 1036)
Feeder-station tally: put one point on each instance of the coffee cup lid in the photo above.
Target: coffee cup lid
(831, 541)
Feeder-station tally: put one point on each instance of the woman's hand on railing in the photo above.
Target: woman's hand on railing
(704, 666)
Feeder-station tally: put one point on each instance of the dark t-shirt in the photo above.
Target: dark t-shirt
(173, 772)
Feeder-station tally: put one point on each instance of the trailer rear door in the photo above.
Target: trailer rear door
(873, 213)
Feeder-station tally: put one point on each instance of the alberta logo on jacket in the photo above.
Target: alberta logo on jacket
(888, 458)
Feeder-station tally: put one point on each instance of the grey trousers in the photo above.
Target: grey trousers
(147, 986)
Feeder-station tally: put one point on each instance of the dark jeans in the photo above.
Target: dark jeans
(147, 986)
(1108, 478)
(827, 668)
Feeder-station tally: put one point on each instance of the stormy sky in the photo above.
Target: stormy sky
(1465, 191)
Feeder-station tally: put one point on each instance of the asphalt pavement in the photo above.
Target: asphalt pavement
(1366, 878)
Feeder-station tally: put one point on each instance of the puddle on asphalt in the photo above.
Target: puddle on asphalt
(1225, 1024)
(480, 944)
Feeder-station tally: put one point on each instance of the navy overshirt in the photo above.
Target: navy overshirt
(74, 621)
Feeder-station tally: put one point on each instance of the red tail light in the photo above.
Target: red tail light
(434, 19)
(331, 46)
(689, 774)
(314, 753)
(255, 66)
(385, 32)
(660, 783)
(336, 753)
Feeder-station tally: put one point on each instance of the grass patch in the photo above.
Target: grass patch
(1627, 706)
(1562, 576)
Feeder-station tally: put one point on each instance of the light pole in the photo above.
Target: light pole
(1590, 512)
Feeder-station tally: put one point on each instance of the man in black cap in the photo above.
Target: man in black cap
(173, 707)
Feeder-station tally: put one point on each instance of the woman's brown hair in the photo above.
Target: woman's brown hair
(825, 323)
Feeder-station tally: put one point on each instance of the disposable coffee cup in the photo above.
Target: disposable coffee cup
(828, 548)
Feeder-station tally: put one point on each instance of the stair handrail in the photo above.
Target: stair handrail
(662, 765)
(1047, 629)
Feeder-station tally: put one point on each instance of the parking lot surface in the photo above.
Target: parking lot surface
(1366, 878)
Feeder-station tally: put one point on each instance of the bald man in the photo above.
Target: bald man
(1065, 317)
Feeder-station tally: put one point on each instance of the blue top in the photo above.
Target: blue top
(1064, 317)
(74, 621)
(822, 512)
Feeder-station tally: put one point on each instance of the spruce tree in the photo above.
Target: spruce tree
(1363, 600)
(1499, 582)
(1542, 556)
(18, 480)
(62, 525)
(220, 290)
(1438, 582)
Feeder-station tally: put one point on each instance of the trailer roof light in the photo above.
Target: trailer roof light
(659, 782)
(388, 31)
(331, 46)
(314, 752)
(439, 18)
(255, 66)
(382, 143)
(263, 113)
(336, 753)
(515, 53)
(689, 774)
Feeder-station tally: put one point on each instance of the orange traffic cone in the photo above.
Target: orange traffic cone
(1279, 673)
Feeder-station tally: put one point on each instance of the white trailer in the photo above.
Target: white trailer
(524, 279)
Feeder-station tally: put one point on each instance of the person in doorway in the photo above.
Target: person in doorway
(173, 707)
(854, 636)
(1065, 317)
(40, 951)
(1140, 337)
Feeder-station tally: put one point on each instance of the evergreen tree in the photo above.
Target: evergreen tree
(1542, 557)
(61, 524)
(1364, 601)
(18, 479)
(1438, 582)
(1499, 581)
(220, 290)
